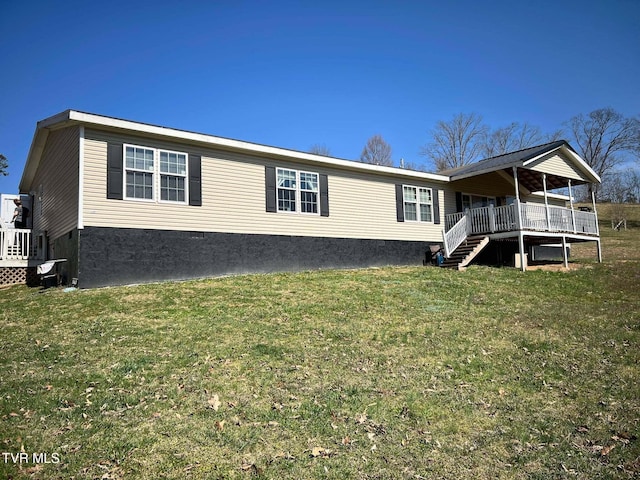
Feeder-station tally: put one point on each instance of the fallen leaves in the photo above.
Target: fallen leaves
(321, 452)
(214, 402)
(607, 450)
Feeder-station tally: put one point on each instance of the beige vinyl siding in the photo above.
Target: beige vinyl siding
(558, 165)
(449, 204)
(55, 184)
(233, 199)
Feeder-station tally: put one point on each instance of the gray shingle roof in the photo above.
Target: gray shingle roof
(504, 161)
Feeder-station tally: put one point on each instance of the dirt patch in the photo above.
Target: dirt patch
(558, 267)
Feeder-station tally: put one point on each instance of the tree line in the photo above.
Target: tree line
(604, 138)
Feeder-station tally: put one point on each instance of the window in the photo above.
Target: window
(150, 170)
(476, 201)
(308, 192)
(297, 191)
(418, 204)
(287, 186)
(139, 167)
(173, 173)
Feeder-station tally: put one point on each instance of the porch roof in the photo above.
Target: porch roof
(556, 159)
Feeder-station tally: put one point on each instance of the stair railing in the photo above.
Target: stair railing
(457, 234)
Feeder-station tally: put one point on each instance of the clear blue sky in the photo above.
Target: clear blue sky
(294, 74)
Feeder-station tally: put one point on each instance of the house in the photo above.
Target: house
(127, 202)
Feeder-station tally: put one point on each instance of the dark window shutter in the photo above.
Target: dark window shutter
(436, 205)
(270, 188)
(458, 201)
(324, 196)
(195, 180)
(114, 171)
(399, 203)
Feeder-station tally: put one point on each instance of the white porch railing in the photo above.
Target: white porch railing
(534, 217)
(454, 237)
(17, 244)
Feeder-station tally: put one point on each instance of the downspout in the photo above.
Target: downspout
(523, 267)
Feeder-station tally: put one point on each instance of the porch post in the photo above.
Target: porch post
(523, 267)
(564, 252)
(518, 213)
(595, 212)
(573, 213)
(546, 201)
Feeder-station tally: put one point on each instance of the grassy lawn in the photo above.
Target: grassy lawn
(379, 373)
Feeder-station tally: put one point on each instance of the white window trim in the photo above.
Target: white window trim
(298, 191)
(418, 203)
(156, 176)
(185, 176)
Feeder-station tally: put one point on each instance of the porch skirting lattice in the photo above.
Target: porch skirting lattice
(18, 275)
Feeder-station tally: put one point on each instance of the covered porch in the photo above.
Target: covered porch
(529, 213)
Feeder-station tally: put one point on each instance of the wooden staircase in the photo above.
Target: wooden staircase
(466, 252)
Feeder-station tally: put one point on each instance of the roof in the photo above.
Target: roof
(505, 160)
(74, 117)
(522, 159)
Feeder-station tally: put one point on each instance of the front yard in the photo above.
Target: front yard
(380, 373)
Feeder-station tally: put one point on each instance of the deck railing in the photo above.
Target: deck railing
(534, 217)
(17, 244)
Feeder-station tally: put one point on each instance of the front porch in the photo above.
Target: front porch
(514, 190)
(538, 222)
(533, 217)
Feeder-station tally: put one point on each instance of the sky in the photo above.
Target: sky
(294, 74)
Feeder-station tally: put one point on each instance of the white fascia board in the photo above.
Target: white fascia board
(538, 157)
(33, 158)
(263, 150)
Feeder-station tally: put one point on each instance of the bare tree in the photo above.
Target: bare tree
(515, 137)
(320, 149)
(377, 151)
(455, 143)
(620, 186)
(633, 182)
(613, 188)
(605, 138)
(3, 165)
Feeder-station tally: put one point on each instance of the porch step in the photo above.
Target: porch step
(466, 252)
